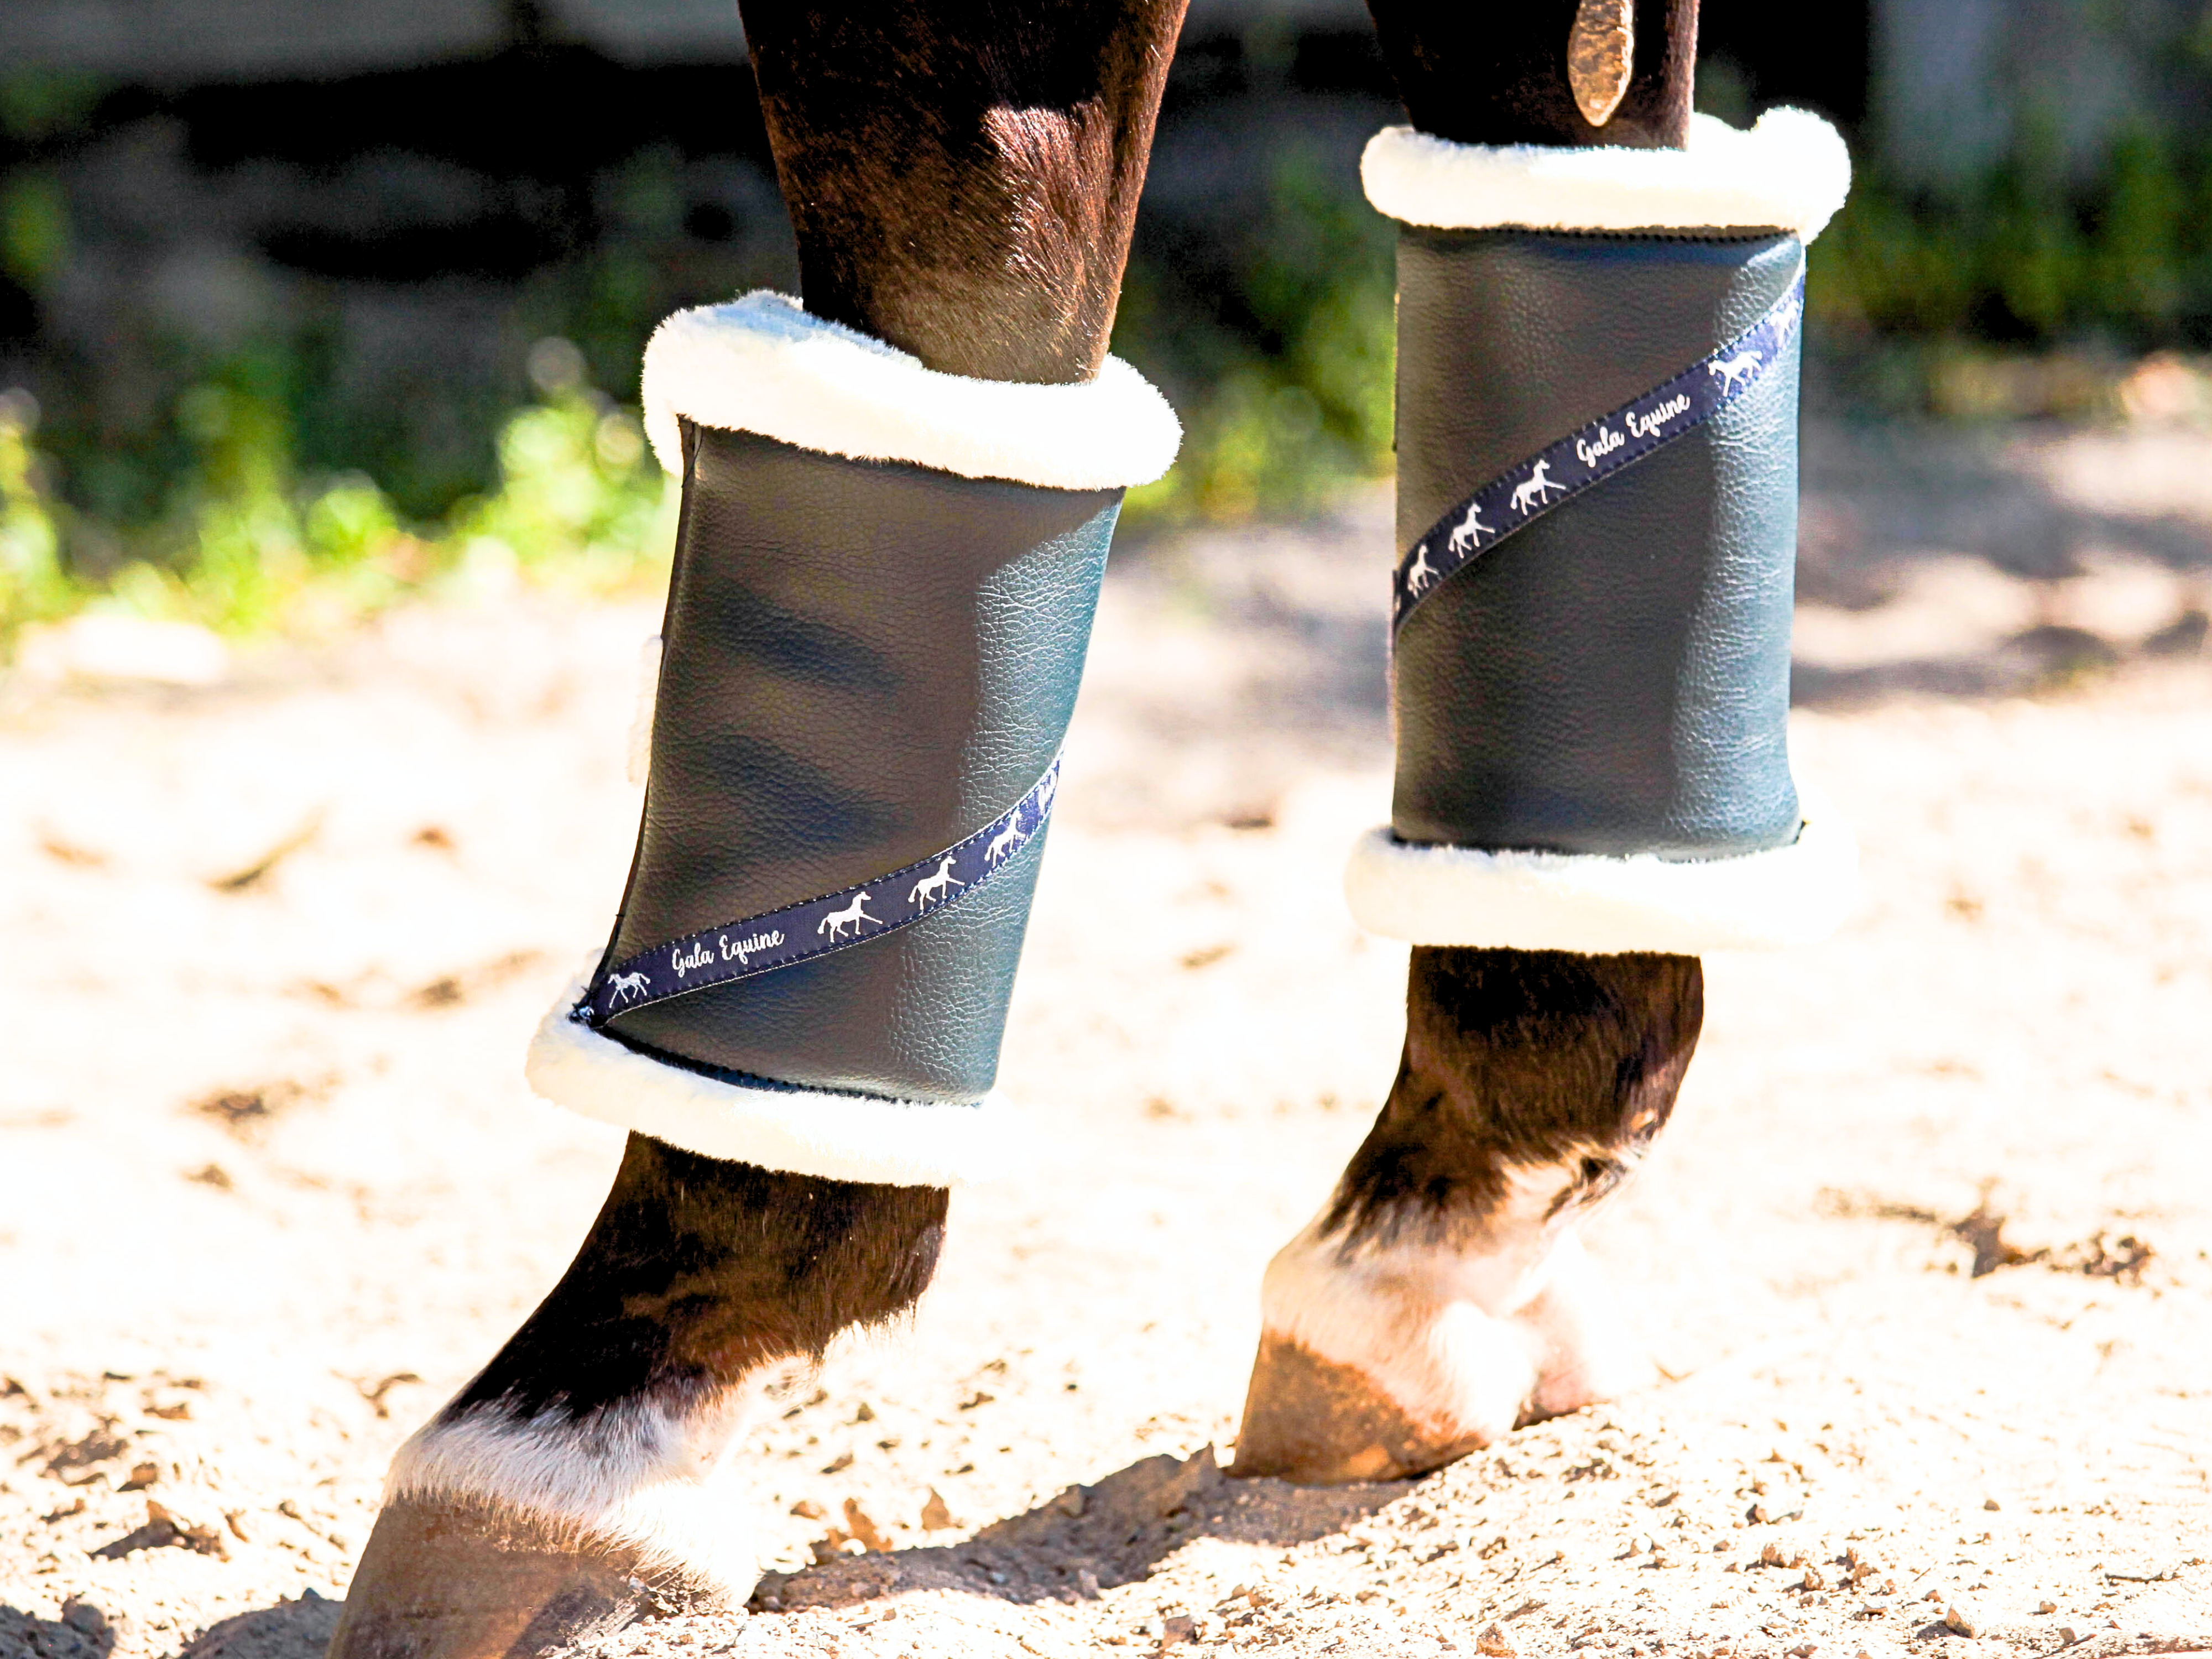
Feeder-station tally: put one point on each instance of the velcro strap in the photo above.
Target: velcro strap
(776, 938)
(1562, 471)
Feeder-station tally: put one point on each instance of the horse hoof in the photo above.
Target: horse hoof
(1322, 1424)
(445, 1579)
(1385, 1366)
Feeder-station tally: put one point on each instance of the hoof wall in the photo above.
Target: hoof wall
(446, 1579)
(1310, 1420)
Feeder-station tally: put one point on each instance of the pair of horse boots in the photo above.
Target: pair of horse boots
(882, 596)
(1597, 501)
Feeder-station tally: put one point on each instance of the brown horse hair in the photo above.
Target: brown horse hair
(1520, 1058)
(962, 178)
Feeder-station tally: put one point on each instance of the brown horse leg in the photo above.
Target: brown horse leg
(962, 176)
(1442, 1297)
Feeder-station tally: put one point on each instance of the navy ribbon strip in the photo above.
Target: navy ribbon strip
(1562, 472)
(776, 938)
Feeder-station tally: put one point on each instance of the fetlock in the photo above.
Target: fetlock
(1596, 420)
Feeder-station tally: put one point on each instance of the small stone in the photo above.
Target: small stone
(935, 1515)
(1991, 1504)
(142, 1475)
(1772, 1556)
(1069, 1503)
(1086, 1584)
(1492, 1641)
(84, 1618)
(2046, 1607)
(2068, 1635)
(858, 1523)
(1960, 1617)
(1814, 1579)
(807, 1510)
(193, 1531)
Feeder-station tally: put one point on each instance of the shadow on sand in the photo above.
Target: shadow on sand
(1089, 1537)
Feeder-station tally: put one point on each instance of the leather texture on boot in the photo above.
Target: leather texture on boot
(864, 662)
(1614, 678)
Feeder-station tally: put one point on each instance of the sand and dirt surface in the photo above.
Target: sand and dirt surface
(1925, 1255)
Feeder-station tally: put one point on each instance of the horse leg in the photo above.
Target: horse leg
(1441, 1297)
(962, 176)
(1563, 692)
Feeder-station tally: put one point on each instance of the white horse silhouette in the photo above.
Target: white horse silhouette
(938, 886)
(1420, 573)
(1531, 493)
(623, 987)
(1732, 370)
(1464, 536)
(1004, 843)
(852, 915)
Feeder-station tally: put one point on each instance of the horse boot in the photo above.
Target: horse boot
(1597, 387)
(881, 600)
(884, 583)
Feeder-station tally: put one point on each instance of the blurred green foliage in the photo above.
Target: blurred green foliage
(247, 544)
(2115, 258)
(251, 495)
(259, 485)
(1279, 360)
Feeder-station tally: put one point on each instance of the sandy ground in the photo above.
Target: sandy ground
(1925, 1254)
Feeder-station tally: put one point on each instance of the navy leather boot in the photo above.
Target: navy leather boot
(1597, 504)
(881, 599)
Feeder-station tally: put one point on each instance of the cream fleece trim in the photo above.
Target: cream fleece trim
(1790, 171)
(1793, 895)
(839, 1137)
(762, 364)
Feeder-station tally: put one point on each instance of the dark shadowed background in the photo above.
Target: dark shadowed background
(304, 307)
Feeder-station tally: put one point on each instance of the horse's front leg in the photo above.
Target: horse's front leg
(1441, 1296)
(1590, 681)
(896, 505)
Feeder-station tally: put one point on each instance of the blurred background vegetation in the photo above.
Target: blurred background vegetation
(286, 337)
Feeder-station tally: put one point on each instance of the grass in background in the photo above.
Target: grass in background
(1275, 346)
(247, 546)
(2031, 293)
(1278, 352)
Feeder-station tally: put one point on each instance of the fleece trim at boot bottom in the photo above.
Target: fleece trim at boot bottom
(1789, 172)
(816, 1131)
(1598, 906)
(763, 365)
